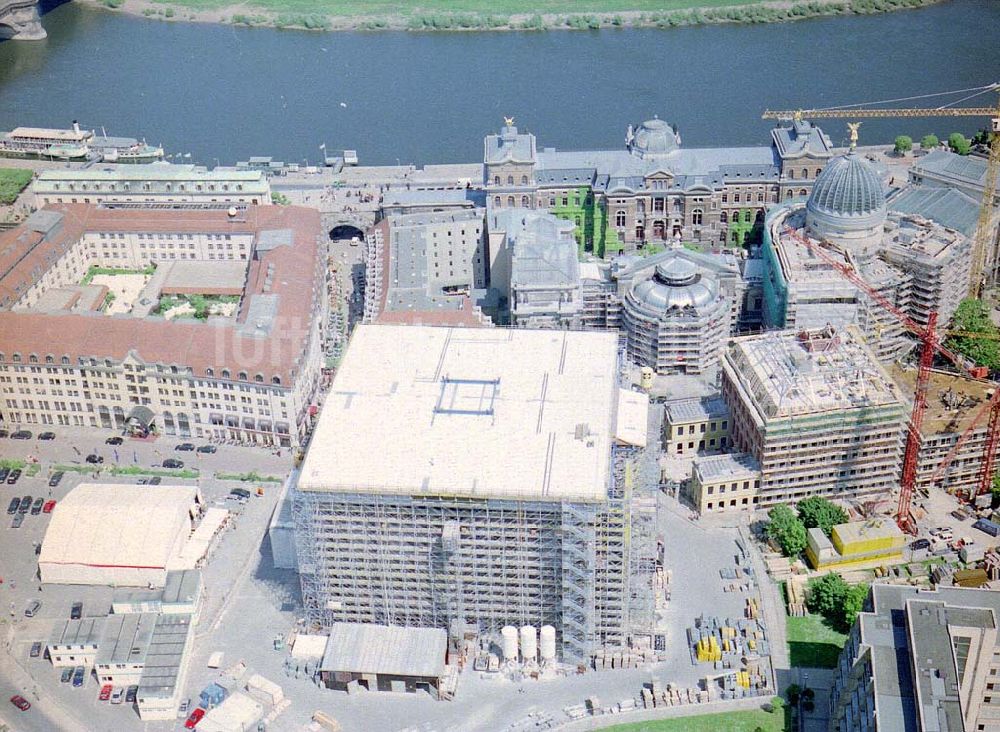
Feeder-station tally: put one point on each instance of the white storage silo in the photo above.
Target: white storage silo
(508, 637)
(548, 643)
(529, 643)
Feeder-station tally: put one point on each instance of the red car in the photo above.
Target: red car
(195, 717)
(49, 505)
(20, 702)
(105, 693)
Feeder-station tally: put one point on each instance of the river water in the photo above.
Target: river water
(225, 93)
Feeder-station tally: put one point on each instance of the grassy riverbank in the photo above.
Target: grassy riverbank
(458, 15)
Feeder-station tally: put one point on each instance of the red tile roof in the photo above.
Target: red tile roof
(296, 273)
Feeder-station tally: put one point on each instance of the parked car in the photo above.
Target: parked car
(25, 504)
(920, 544)
(173, 463)
(76, 612)
(36, 507)
(987, 526)
(15, 523)
(182, 710)
(114, 441)
(960, 514)
(36, 650)
(15, 502)
(938, 530)
(20, 702)
(4, 472)
(240, 492)
(142, 481)
(94, 459)
(56, 477)
(185, 447)
(33, 607)
(21, 435)
(118, 695)
(208, 449)
(47, 436)
(155, 480)
(130, 694)
(78, 674)
(49, 505)
(13, 476)
(195, 717)
(4, 433)
(105, 693)
(67, 675)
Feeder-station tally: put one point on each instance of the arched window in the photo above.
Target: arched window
(524, 180)
(275, 379)
(225, 373)
(818, 171)
(496, 180)
(496, 201)
(65, 360)
(510, 180)
(791, 175)
(620, 219)
(805, 172)
(746, 215)
(33, 358)
(524, 202)
(242, 376)
(697, 217)
(723, 218)
(510, 201)
(209, 372)
(16, 358)
(736, 236)
(258, 378)
(803, 192)
(789, 194)
(722, 236)
(50, 359)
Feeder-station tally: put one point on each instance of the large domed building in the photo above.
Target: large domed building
(847, 204)
(912, 262)
(679, 319)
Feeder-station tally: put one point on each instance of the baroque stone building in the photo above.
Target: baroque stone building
(653, 190)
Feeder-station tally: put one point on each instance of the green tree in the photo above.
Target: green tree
(785, 530)
(972, 316)
(792, 694)
(995, 491)
(854, 600)
(958, 143)
(904, 144)
(929, 142)
(825, 595)
(819, 512)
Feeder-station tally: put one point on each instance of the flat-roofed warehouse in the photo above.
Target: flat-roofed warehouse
(117, 534)
(438, 451)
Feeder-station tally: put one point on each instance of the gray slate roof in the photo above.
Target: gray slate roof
(966, 169)
(801, 139)
(947, 206)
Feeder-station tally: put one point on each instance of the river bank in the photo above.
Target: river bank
(330, 15)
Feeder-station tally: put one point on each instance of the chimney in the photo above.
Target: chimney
(76, 127)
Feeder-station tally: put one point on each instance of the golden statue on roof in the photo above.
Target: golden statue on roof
(508, 121)
(853, 127)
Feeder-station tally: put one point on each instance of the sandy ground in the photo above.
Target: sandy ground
(126, 289)
(551, 21)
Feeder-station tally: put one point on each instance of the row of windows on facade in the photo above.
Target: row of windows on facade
(46, 200)
(189, 237)
(733, 488)
(712, 427)
(146, 186)
(108, 363)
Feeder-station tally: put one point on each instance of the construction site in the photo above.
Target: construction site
(445, 530)
(816, 411)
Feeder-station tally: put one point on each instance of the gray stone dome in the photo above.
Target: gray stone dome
(654, 137)
(847, 201)
(676, 284)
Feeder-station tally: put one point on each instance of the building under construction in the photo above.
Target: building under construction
(816, 411)
(449, 479)
(953, 404)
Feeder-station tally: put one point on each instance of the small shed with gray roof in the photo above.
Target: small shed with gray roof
(384, 658)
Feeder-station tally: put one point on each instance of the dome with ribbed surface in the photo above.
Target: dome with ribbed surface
(654, 137)
(848, 186)
(847, 201)
(675, 285)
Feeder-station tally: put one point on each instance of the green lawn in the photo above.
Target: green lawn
(728, 722)
(12, 182)
(813, 643)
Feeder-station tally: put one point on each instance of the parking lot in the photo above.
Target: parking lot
(57, 705)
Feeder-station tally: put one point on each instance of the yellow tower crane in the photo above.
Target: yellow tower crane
(981, 242)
